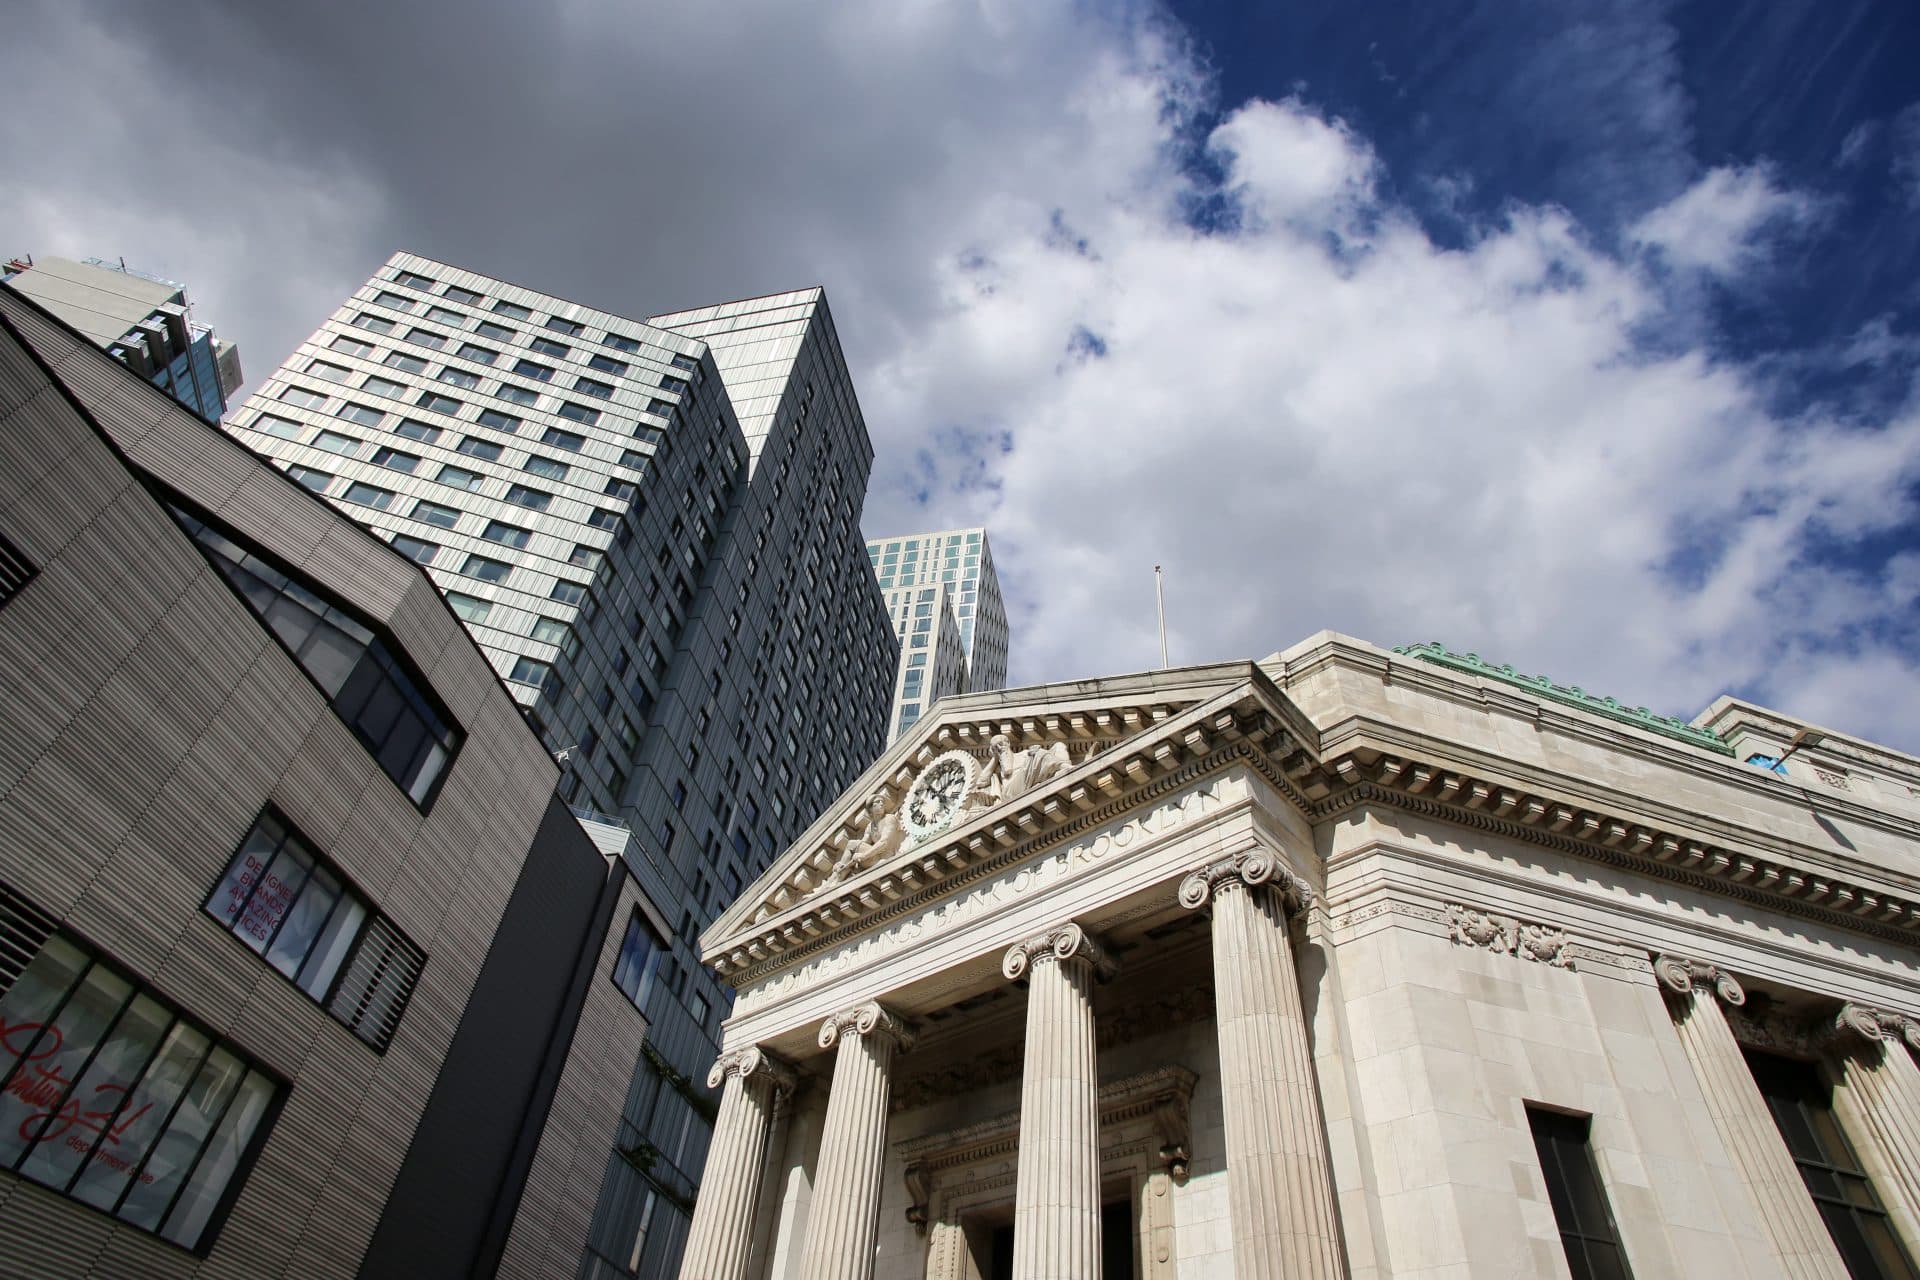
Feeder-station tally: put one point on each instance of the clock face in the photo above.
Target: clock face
(936, 794)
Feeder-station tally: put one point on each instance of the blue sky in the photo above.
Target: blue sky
(1581, 334)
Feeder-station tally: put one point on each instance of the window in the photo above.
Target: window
(184, 1112)
(368, 495)
(528, 671)
(513, 311)
(405, 363)
(381, 386)
(532, 499)
(394, 460)
(334, 442)
(568, 327)
(415, 548)
(517, 395)
(1802, 1107)
(389, 709)
(568, 592)
(393, 301)
(478, 354)
(457, 378)
(593, 387)
(607, 364)
(547, 346)
(373, 323)
(16, 571)
(546, 467)
(511, 535)
(427, 338)
(475, 447)
(639, 960)
(413, 281)
(619, 343)
(534, 369)
(603, 518)
(662, 407)
(331, 372)
(499, 421)
(445, 316)
(563, 439)
(457, 294)
(414, 429)
(351, 346)
(1579, 1200)
(285, 428)
(550, 631)
(438, 403)
(304, 398)
(459, 476)
(579, 412)
(312, 477)
(472, 608)
(584, 555)
(486, 570)
(498, 332)
(434, 513)
(291, 907)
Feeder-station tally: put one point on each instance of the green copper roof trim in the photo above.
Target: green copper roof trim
(1572, 695)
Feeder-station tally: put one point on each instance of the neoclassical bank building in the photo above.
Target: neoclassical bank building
(1346, 963)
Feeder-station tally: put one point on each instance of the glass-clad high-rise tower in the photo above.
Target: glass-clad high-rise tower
(652, 530)
(143, 321)
(943, 597)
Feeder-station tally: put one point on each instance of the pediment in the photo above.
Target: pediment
(981, 774)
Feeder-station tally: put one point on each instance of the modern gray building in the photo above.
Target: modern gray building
(305, 970)
(943, 597)
(652, 530)
(143, 321)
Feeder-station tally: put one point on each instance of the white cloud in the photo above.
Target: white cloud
(1316, 416)
(1719, 224)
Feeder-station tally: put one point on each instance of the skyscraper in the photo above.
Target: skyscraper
(141, 320)
(943, 597)
(652, 531)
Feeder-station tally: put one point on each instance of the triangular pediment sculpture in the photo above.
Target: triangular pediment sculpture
(982, 771)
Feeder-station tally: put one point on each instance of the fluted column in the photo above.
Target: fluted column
(1882, 1095)
(1056, 1198)
(1279, 1179)
(1794, 1231)
(845, 1217)
(720, 1241)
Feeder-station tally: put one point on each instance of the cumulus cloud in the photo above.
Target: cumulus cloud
(1720, 224)
(1086, 303)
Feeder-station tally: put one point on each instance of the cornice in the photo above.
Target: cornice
(1622, 840)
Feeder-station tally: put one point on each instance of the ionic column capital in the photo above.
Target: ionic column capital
(1877, 1025)
(1059, 944)
(750, 1063)
(1678, 974)
(1245, 870)
(870, 1019)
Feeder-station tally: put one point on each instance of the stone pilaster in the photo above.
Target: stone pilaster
(1880, 1099)
(845, 1217)
(1279, 1179)
(720, 1241)
(1794, 1231)
(1056, 1203)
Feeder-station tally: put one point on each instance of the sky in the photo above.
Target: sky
(1581, 334)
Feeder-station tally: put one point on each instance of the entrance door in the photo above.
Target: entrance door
(1117, 1238)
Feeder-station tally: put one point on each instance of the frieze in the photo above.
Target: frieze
(1013, 883)
(1506, 935)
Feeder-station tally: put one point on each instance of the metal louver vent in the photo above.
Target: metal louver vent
(374, 991)
(24, 929)
(15, 571)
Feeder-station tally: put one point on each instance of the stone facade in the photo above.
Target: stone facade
(1298, 968)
